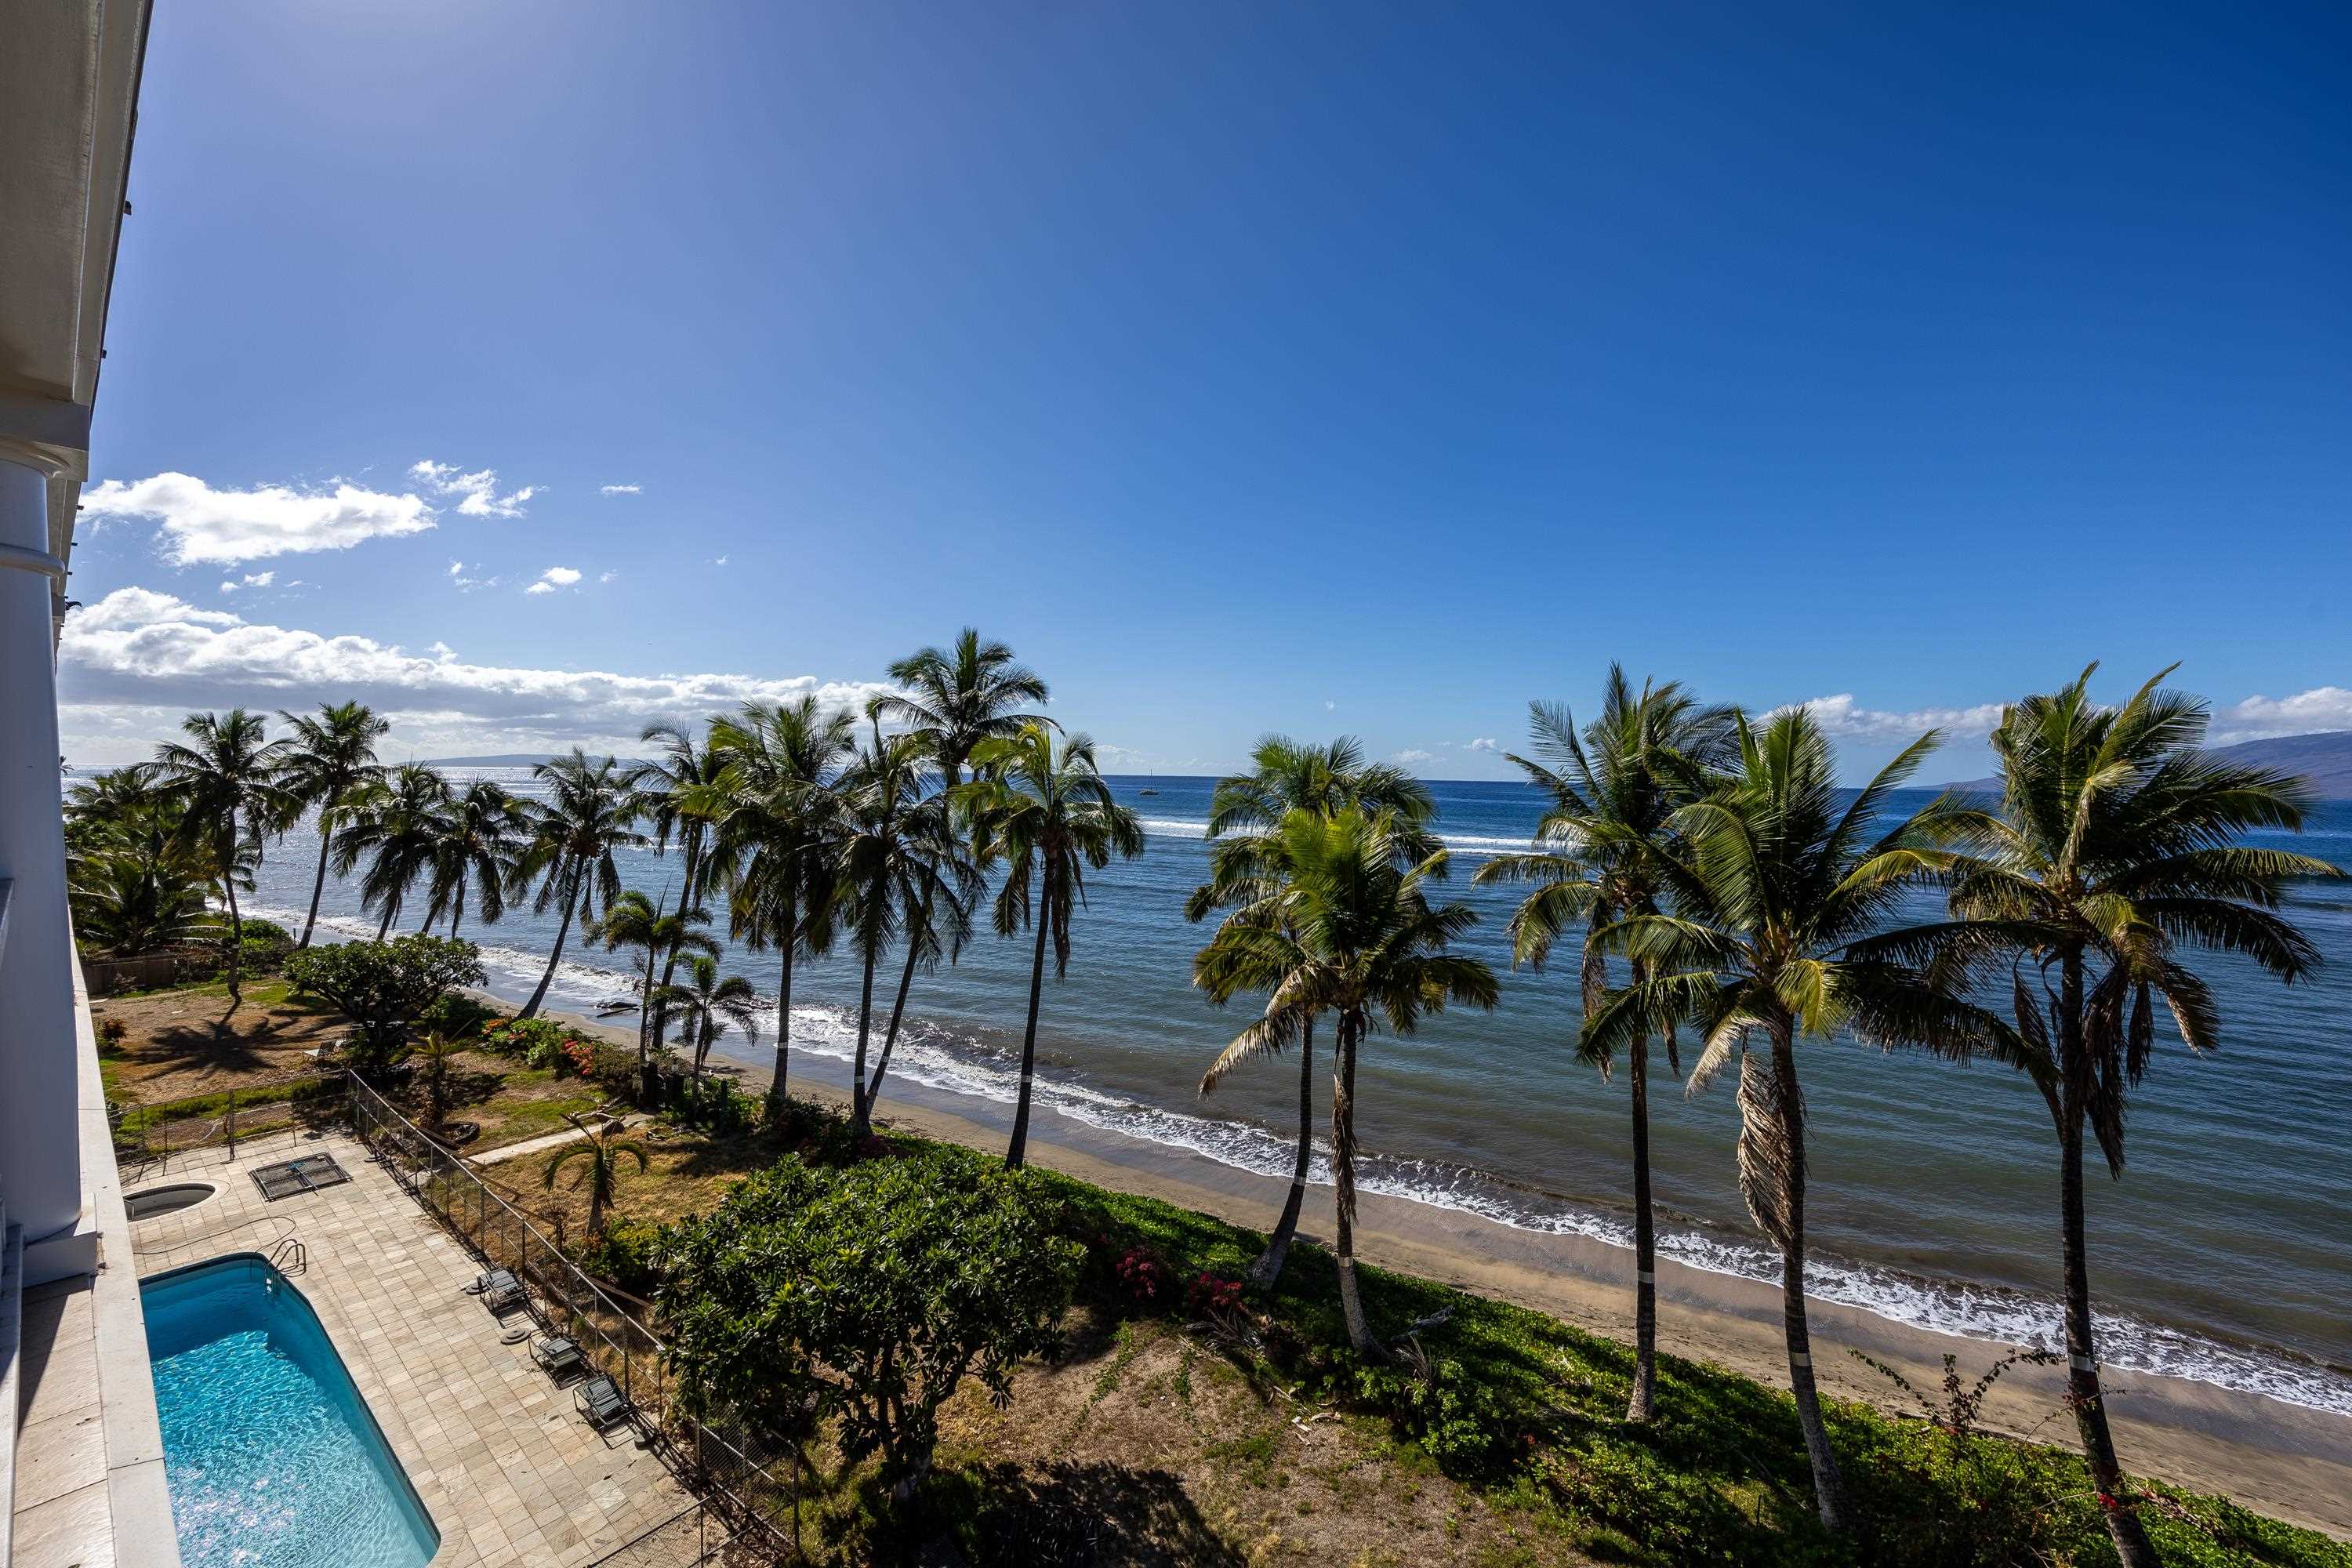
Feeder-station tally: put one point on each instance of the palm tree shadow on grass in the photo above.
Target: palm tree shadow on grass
(1065, 1513)
(211, 1045)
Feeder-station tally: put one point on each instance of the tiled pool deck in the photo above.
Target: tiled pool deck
(509, 1472)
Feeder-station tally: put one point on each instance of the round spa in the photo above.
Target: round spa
(171, 1197)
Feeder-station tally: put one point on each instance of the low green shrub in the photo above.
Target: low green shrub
(629, 1255)
(385, 987)
(875, 1290)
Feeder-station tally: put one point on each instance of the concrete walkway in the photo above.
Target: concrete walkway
(540, 1145)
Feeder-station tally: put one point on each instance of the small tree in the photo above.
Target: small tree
(603, 1150)
(384, 987)
(436, 1057)
(878, 1287)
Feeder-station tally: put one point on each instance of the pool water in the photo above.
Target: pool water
(270, 1454)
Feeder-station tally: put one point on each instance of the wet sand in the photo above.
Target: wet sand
(2281, 1460)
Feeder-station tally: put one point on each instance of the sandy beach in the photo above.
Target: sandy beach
(2281, 1460)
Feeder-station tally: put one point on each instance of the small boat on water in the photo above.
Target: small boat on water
(1147, 789)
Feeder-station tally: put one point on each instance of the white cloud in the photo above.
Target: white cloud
(1413, 755)
(718, 561)
(2321, 707)
(465, 585)
(1328, 705)
(477, 492)
(551, 579)
(1485, 743)
(203, 524)
(1843, 719)
(133, 663)
(607, 576)
(622, 489)
(250, 580)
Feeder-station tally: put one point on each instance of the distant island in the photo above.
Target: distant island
(505, 759)
(510, 760)
(2326, 759)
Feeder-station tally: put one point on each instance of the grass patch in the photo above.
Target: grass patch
(141, 1119)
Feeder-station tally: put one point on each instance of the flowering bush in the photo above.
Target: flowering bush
(574, 1057)
(1212, 1297)
(1145, 1277)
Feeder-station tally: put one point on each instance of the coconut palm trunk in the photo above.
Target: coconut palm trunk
(2083, 1394)
(776, 1085)
(457, 913)
(1018, 1152)
(898, 1013)
(1772, 1137)
(235, 920)
(1268, 1270)
(685, 901)
(317, 882)
(571, 902)
(1642, 1403)
(858, 1108)
(1343, 1180)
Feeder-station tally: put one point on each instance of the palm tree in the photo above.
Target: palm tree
(936, 897)
(394, 823)
(1351, 932)
(1044, 809)
(588, 814)
(1245, 813)
(894, 852)
(1606, 850)
(667, 786)
(950, 699)
(478, 839)
(774, 818)
(603, 1149)
(135, 880)
(706, 1004)
(956, 698)
(332, 756)
(1773, 883)
(2118, 842)
(633, 921)
(226, 781)
(436, 1055)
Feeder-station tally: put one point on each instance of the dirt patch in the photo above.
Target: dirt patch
(1149, 1443)
(193, 1041)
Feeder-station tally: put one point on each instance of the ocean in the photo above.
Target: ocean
(2224, 1254)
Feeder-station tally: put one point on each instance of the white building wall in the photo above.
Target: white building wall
(40, 1176)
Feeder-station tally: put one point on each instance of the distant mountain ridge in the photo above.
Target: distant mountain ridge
(2326, 759)
(509, 760)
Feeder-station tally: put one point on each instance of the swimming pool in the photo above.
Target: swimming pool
(270, 1454)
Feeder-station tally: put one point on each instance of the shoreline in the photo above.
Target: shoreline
(2283, 1459)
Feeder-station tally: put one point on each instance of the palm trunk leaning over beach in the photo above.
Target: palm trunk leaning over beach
(1268, 1270)
(1772, 1156)
(2083, 1395)
(1016, 1152)
(1343, 1184)
(555, 953)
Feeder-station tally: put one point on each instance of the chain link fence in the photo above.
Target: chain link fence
(750, 1488)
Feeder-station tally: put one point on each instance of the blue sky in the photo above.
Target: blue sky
(1313, 368)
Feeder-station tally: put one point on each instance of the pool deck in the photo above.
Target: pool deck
(507, 1469)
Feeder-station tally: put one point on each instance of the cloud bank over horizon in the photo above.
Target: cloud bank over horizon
(131, 665)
